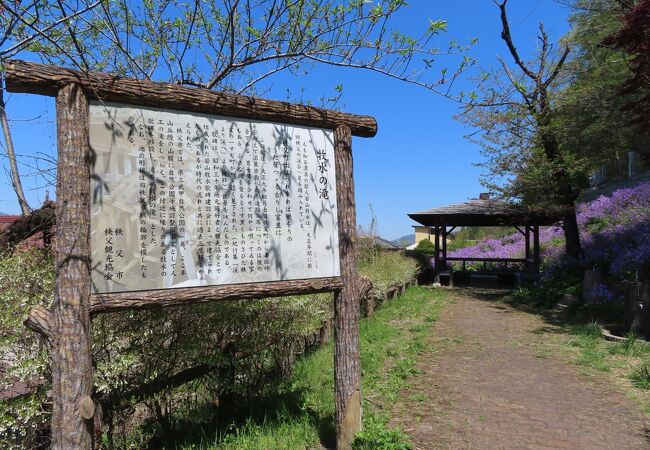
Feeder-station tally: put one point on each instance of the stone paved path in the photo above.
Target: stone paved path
(486, 387)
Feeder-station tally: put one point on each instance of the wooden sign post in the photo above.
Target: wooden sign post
(347, 301)
(72, 376)
(201, 279)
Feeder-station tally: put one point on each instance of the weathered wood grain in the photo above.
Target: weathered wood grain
(22, 76)
(40, 318)
(72, 372)
(185, 296)
(347, 302)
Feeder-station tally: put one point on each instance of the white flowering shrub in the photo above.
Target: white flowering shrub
(387, 269)
(26, 279)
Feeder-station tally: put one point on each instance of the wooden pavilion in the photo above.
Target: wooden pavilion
(484, 212)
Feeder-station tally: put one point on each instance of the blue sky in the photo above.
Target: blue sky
(418, 160)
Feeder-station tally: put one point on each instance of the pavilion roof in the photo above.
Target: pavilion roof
(483, 212)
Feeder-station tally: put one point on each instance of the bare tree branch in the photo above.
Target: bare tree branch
(507, 37)
(13, 162)
(558, 67)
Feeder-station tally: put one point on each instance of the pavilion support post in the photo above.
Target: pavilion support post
(529, 267)
(347, 355)
(536, 251)
(444, 246)
(436, 256)
(72, 372)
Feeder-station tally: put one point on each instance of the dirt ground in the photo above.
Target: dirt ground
(489, 386)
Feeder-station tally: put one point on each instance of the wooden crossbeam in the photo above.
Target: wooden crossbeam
(29, 77)
(101, 303)
(513, 260)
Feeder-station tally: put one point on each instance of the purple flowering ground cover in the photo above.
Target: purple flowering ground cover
(615, 233)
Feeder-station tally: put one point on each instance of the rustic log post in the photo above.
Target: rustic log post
(72, 376)
(367, 300)
(347, 360)
(365, 286)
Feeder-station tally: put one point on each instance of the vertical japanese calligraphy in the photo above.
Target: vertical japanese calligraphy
(184, 199)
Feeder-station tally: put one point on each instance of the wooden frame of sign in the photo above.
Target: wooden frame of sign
(67, 324)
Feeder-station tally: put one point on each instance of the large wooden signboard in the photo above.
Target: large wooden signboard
(168, 195)
(186, 199)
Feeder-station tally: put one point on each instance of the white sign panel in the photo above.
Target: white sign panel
(182, 199)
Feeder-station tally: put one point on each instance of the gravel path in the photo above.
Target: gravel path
(488, 387)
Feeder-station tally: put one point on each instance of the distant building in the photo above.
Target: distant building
(627, 170)
(385, 244)
(6, 220)
(423, 233)
(35, 241)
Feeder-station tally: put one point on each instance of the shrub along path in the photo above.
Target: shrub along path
(499, 379)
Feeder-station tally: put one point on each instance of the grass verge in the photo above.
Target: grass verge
(578, 336)
(626, 363)
(300, 412)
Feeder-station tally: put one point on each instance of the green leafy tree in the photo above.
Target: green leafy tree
(633, 37)
(591, 118)
(544, 126)
(426, 245)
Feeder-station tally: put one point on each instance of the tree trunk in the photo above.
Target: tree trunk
(571, 232)
(72, 378)
(13, 162)
(565, 191)
(568, 196)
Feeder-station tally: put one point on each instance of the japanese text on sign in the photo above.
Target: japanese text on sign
(183, 199)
